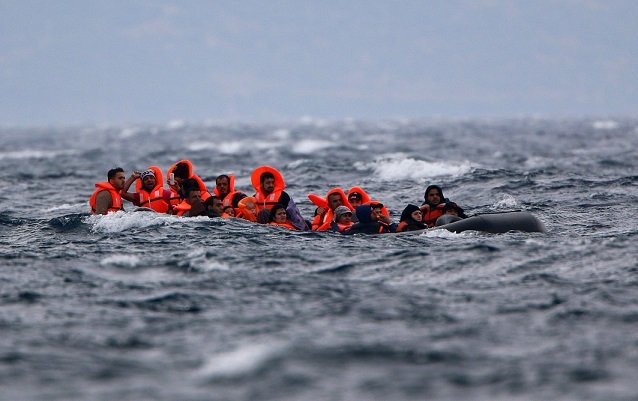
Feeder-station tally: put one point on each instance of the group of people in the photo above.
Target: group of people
(348, 212)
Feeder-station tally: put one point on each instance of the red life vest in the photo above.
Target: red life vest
(287, 225)
(116, 198)
(155, 198)
(228, 199)
(366, 200)
(267, 201)
(344, 227)
(175, 198)
(182, 208)
(430, 215)
(264, 201)
(324, 222)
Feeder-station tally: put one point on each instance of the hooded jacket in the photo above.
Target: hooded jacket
(407, 223)
(366, 225)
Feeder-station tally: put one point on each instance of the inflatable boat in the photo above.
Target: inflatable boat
(494, 223)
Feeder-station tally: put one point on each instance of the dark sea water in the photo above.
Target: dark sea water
(138, 306)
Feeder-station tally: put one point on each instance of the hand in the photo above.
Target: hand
(136, 174)
(320, 211)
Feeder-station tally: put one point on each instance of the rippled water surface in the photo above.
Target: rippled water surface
(138, 306)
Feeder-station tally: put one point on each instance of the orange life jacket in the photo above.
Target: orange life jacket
(175, 198)
(182, 208)
(155, 198)
(116, 198)
(344, 227)
(287, 225)
(366, 200)
(430, 215)
(264, 201)
(228, 199)
(323, 222)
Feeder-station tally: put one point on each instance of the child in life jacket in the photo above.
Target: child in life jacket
(342, 220)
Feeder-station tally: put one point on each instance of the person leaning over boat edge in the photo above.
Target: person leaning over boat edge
(107, 195)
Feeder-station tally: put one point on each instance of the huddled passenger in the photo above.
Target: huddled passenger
(107, 196)
(269, 187)
(279, 217)
(433, 206)
(342, 219)
(324, 214)
(225, 190)
(357, 196)
(192, 204)
(411, 219)
(149, 191)
(214, 206)
(371, 220)
(248, 209)
(229, 212)
(182, 171)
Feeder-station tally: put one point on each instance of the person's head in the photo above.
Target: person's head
(354, 198)
(278, 214)
(222, 183)
(248, 205)
(192, 192)
(452, 209)
(376, 211)
(229, 210)
(181, 172)
(214, 204)
(116, 177)
(343, 215)
(267, 181)
(148, 180)
(334, 201)
(433, 195)
(411, 212)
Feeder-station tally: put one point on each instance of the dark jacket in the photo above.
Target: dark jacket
(366, 225)
(407, 223)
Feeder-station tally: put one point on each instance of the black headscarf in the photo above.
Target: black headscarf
(406, 216)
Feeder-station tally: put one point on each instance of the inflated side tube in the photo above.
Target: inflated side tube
(495, 223)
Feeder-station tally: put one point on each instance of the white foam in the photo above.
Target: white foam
(122, 221)
(442, 233)
(121, 261)
(33, 154)
(310, 146)
(507, 202)
(398, 167)
(81, 207)
(231, 148)
(241, 361)
(202, 145)
(605, 124)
